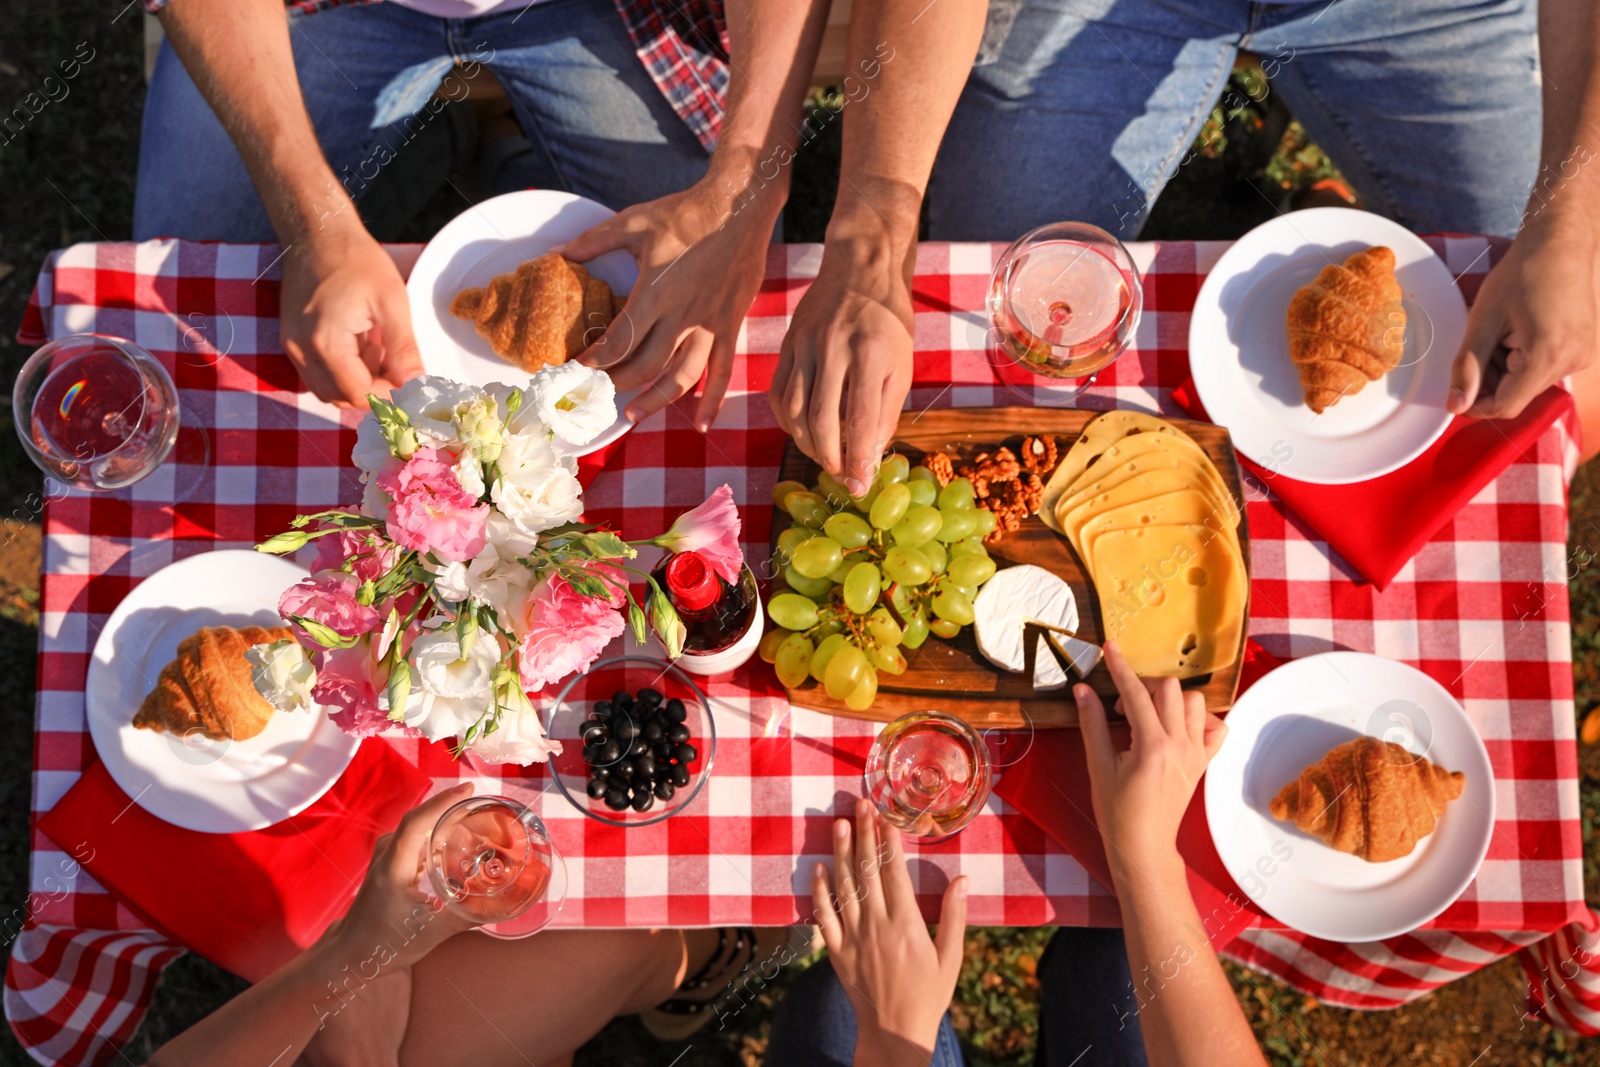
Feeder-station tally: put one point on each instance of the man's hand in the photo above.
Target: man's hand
(1140, 795)
(898, 979)
(1535, 320)
(346, 322)
(845, 365)
(701, 261)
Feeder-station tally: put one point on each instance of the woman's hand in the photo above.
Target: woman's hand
(1534, 321)
(845, 365)
(1140, 795)
(346, 322)
(701, 257)
(898, 979)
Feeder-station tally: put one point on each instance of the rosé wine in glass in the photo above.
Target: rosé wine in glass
(929, 774)
(490, 860)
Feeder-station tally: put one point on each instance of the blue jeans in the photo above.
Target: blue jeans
(815, 1026)
(598, 125)
(1083, 109)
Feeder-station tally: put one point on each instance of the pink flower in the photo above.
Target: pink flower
(564, 631)
(348, 683)
(712, 529)
(370, 552)
(431, 511)
(327, 598)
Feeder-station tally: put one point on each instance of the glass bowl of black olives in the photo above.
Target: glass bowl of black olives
(637, 740)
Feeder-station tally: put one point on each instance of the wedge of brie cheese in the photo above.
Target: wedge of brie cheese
(1007, 602)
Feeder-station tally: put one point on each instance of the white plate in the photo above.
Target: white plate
(214, 787)
(1239, 350)
(1288, 720)
(496, 237)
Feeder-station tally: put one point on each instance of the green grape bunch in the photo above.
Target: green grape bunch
(869, 577)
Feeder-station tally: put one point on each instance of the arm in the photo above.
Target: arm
(899, 980)
(908, 62)
(1536, 317)
(346, 324)
(702, 253)
(365, 957)
(1139, 798)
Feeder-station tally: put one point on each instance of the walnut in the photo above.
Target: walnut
(1039, 454)
(943, 470)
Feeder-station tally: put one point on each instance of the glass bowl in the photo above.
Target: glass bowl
(584, 701)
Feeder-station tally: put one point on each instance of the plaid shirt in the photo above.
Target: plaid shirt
(683, 46)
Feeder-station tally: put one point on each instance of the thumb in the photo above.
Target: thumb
(609, 236)
(402, 359)
(950, 942)
(1216, 731)
(1485, 327)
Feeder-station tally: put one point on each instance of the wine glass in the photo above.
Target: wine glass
(929, 774)
(102, 413)
(490, 860)
(1064, 301)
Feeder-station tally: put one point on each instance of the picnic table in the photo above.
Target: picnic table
(1483, 609)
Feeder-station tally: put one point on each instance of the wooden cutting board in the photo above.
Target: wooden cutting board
(952, 676)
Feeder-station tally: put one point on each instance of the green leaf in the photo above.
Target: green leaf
(603, 544)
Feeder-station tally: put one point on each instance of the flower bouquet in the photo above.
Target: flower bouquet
(465, 581)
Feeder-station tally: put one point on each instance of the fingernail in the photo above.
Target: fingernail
(1456, 397)
(960, 887)
(819, 871)
(855, 487)
(863, 806)
(1080, 693)
(841, 829)
(703, 427)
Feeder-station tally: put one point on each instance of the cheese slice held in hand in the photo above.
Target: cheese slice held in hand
(1009, 601)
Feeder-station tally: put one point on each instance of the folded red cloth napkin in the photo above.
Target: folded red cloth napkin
(248, 902)
(1379, 524)
(1050, 785)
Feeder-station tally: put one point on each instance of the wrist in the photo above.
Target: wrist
(1142, 873)
(879, 211)
(747, 180)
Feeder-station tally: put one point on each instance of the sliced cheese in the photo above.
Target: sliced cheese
(1014, 597)
(1150, 474)
(1098, 435)
(1176, 535)
(1185, 506)
(1174, 609)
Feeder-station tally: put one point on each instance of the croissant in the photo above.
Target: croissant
(1347, 327)
(1370, 798)
(208, 686)
(543, 313)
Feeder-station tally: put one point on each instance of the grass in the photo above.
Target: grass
(69, 177)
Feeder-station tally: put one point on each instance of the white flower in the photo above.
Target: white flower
(508, 541)
(372, 449)
(469, 472)
(494, 578)
(450, 580)
(576, 402)
(282, 674)
(430, 402)
(450, 692)
(374, 501)
(519, 737)
(478, 426)
(537, 487)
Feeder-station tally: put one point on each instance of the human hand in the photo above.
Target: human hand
(852, 326)
(1533, 323)
(699, 270)
(393, 922)
(1140, 795)
(898, 979)
(346, 322)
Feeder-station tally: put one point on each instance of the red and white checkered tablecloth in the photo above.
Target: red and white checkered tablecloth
(1483, 609)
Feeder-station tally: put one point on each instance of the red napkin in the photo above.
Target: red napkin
(1050, 785)
(1379, 524)
(248, 902)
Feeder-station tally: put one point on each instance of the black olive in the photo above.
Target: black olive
(664, 790)
(611, 753)
(643, 801)
(617, 799)
(597, 788)
(662, 749)
(685, 754)
(652, 730)
(649, 697)
(592, 754)
(603, 707)
(625, 770)
(678, 734)
(596, 715)
(680, 775)
(596, 734)
(676, 711)
(637, 747)
(645, 766)
(625, 729)
(601, 772)
(621, 697)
